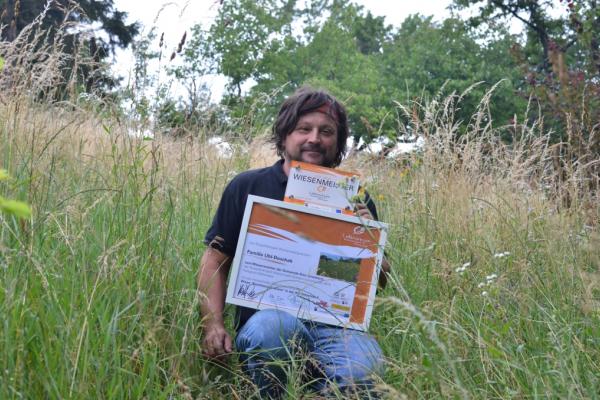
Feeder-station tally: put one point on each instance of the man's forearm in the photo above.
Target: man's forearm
(212, 285)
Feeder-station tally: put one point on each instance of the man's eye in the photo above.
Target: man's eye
(327, 132)
(302, 129)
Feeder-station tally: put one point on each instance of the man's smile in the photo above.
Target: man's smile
(314, 150)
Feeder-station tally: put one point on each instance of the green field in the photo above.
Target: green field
(345, 270)
(494, 291)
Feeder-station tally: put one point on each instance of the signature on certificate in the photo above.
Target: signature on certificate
(247, 291)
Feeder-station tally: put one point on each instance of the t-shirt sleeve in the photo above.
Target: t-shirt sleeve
(225, 229)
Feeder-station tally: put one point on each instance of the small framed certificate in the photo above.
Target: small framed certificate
(311, 263)
(320, 187)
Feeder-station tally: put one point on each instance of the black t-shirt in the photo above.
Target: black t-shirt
(224, 232)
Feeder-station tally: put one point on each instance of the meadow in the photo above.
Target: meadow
(494, 290)
(345, 270)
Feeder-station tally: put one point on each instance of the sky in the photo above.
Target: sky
(178, 16)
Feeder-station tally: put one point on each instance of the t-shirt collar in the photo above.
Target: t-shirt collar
(278, 170)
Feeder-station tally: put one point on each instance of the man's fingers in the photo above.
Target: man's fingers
(362, 211)
(207, 348)
(227, 343)
(211, 346)
(217, 344)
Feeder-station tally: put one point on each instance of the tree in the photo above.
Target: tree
(112, 32)
(425, 57)
(246, 30)
(16, 14)
(560, 66)
(356, 56)
(559, 51)
(532, 13)
(255, 41)
(370, 33)
(194, 66)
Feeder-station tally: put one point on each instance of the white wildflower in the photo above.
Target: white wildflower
(224, 149)
(463, 268)
(491, 277)
(502, 254)
(481, 284)
(484, 293)
(520, 348)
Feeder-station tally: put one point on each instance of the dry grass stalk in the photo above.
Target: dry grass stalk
(38, 63)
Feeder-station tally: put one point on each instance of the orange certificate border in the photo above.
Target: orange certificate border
(261, 214)
(322, 170)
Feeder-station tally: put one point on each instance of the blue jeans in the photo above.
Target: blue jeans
(272, 340)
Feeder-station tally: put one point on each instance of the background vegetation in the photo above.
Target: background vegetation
(495, 285)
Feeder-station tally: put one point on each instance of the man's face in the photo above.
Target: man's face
(313, 140)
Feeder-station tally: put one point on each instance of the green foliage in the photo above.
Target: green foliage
(16, 15)
(53, 22)
(356, 56)
(428, 57)
(13, 207)
(559, 64)
(370, 33)
(246, 30)
(17, 208)
(195, 64)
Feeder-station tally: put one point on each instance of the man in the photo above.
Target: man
(311, 127)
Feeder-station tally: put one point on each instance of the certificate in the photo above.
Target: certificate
(314, 264)
(320, 187)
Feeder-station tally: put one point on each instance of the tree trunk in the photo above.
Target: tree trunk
(538, 22)
(595, 43)
(8, 20)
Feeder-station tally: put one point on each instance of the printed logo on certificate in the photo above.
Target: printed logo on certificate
(320, 187)
(310, 263)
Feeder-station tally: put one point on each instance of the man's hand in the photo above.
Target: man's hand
(212, 277)
(361, 211)
(217, 342)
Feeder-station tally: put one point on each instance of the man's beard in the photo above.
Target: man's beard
(326, 160)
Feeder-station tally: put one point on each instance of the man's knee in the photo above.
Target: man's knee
(273, 330)
(351, 359)
(362, 367)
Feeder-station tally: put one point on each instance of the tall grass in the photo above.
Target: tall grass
(493, 294)
(494, 291)
(496, 283)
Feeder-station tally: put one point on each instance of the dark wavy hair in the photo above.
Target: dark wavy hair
(303, 101)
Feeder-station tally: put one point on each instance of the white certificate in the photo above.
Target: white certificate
(313, 264)
(320, 187)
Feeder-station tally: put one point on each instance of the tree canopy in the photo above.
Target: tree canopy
(105, 28)
(268, 48)
(279, 45)
(559, 59)
(17, 14)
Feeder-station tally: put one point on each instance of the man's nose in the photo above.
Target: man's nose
(314, 136)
